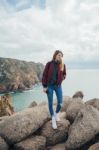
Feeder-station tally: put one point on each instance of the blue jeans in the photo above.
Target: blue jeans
(59, 95)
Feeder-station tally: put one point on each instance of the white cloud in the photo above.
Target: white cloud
(34, 34)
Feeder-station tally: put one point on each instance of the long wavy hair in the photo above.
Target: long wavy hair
(54, 57)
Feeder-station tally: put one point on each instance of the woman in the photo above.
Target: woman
(53, 75)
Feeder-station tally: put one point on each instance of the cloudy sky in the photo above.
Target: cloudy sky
(33, 29)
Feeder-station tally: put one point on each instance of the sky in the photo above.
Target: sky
(32, 30)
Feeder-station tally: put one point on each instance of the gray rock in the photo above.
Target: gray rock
(75, 105)
(32, 143)
(66, 101)
(55, 136)
(33, 104)
(94, 102)
(94, 147)
(23, 124)
(2, 119)
(62, 115)
(84, 128)
(3, 144)
(78, 94)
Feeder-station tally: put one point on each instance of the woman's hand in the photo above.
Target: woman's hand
(45, 90)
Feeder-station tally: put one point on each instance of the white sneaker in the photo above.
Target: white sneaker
(54, 125)
(56, 116)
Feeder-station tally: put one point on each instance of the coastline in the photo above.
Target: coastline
(21, 90)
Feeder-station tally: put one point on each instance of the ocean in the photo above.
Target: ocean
(86, 81)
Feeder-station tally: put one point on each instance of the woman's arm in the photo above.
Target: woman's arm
(44, 76)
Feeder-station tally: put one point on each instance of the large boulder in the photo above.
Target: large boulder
(78, 94)
(33, 104)
(32, 143)
(22, 124)
(74, 107)
(84, 128)
(94, 147)
(66, 101)
(3, 144)
(55, 136)
(94, 102)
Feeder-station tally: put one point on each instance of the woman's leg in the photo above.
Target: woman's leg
(59, 94)
(50, 99)
(50, 104)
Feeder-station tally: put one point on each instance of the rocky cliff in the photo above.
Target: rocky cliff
(18, 75)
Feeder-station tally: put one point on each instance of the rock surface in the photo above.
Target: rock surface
(23, 124)
(32, 143)
(78, 94)
(84, 128)
(3, 144)
(31, 128)
(74, 107)
(55, 136)
(66, 101)
(94, 102)
(94, 147)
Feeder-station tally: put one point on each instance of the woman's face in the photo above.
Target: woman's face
(59, 57)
